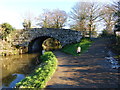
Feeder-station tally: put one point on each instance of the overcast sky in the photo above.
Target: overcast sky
(14, 11)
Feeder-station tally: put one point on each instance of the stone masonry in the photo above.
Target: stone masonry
(65, 36)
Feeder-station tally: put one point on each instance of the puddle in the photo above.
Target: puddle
(112, 60)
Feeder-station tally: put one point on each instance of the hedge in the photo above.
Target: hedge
(42, 74)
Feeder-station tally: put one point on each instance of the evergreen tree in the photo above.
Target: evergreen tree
(7, 29)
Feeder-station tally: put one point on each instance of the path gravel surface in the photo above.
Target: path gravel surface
(89, 70)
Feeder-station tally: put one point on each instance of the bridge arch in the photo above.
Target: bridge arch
(35, 45)
(28, 37)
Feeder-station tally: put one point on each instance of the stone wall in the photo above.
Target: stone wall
(65, 36)
(7, 49)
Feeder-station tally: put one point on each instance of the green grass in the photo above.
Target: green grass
(42, 74)
(72, 48)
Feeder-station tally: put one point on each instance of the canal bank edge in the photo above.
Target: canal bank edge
(7, 49)
(42, 74)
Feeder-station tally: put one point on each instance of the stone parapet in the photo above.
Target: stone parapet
(65, 36)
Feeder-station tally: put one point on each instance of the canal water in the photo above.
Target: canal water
(15, 68)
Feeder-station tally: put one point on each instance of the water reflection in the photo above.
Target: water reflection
(11, 80)
(15, 68)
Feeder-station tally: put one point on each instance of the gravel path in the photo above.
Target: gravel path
(90, 70)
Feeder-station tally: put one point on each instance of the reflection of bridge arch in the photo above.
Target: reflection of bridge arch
(36, 44)
(51, 44)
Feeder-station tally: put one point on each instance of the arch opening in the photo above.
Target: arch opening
(45, 42)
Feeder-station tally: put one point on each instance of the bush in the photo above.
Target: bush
(42, 74)
(118, 39)
(104, 33)
(7, 29)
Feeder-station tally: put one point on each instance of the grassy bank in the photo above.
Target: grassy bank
(42, 74)
(72, 48)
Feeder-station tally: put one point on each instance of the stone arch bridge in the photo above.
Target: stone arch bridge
(32, 38)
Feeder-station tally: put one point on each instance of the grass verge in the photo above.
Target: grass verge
(72, 48)
(42, 74)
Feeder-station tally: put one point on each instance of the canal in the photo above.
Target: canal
(15, 68)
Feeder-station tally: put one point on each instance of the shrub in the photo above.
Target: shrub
(104, 33)
(7, 29)
(42, 74)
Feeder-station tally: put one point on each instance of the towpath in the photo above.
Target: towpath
(90, 70)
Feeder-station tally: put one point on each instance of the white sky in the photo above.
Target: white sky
(13, 11)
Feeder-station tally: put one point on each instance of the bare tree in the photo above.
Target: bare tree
(59, 18)
(86, 15)
(116, 8)
(44, 19)
(108, 18)
(78, 15)
(52, 19)
(93, 16)
(26, 24)
(28, 19)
